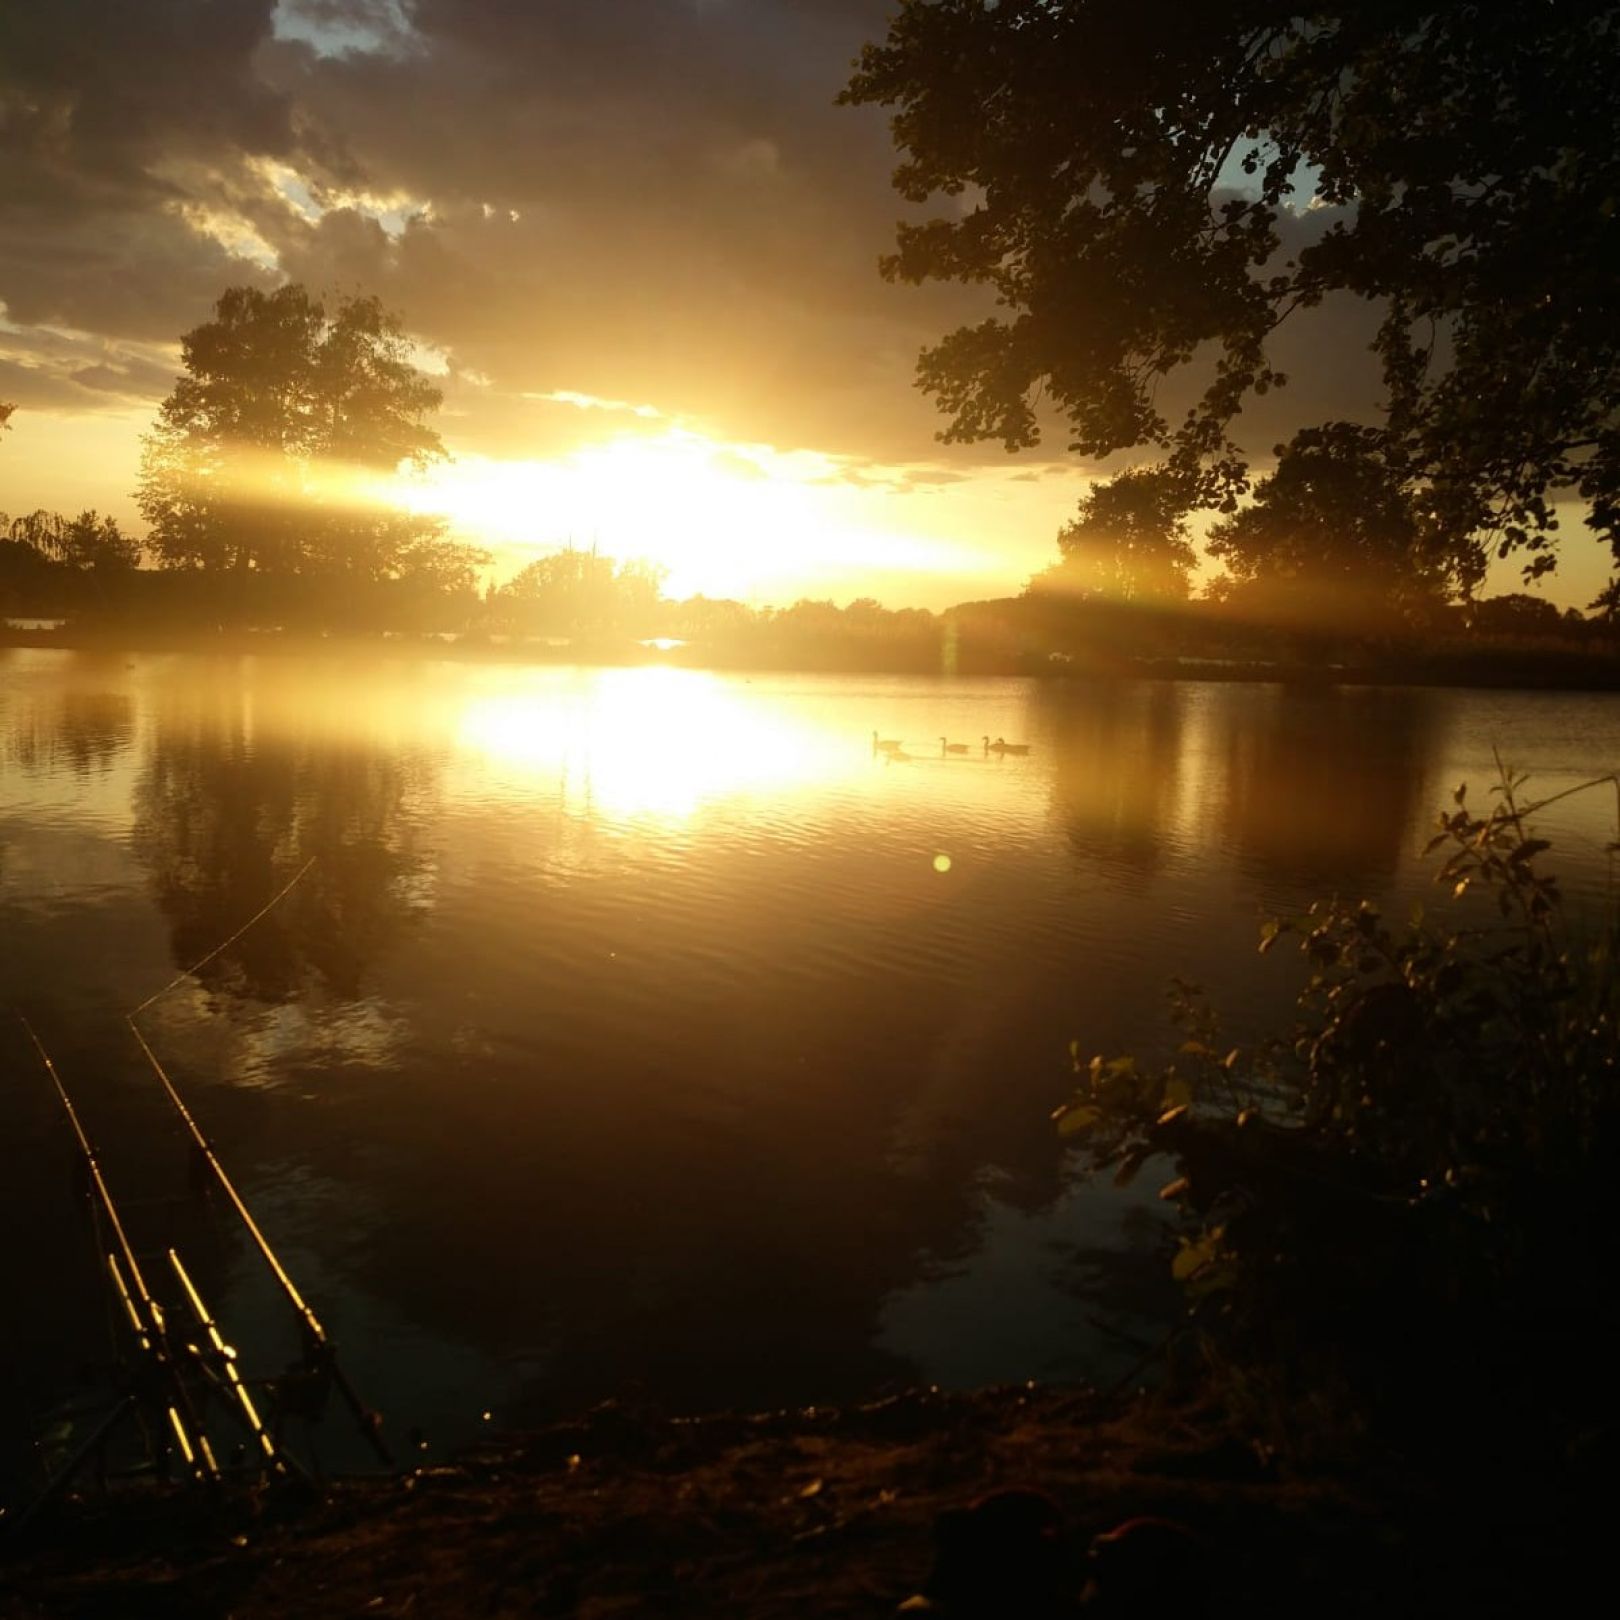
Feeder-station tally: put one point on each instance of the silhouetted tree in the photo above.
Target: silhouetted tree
(1519, 614)
(1130, 183)
(1336, 539)
(40, 529)
(1128, 543)
(572, 591)
(253, 463)
(712, 615)
(95, 542)
(26, 575)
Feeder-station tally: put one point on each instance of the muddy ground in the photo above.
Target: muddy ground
(817, 1512)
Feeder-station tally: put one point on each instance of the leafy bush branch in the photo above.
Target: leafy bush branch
(1386, 1209)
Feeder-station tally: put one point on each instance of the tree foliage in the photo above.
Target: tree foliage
(1129, 542)
(88, 541)
(1388, 1208)
(573, 591)
(92, 540)
(1519, 614)
(1335, 536)
(284, 408)
(1133, 186)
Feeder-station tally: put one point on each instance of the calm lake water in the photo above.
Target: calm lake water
(641, 1032)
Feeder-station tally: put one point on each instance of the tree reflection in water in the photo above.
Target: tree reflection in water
(81, 731)
(1326, 786)
(1117, 767)
(222, 824)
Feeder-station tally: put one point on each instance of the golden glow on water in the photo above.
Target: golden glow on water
(656, 743)
(580, 944)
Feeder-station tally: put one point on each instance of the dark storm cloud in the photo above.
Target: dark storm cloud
(128, 271)
(652, 201)
(100, 94)
(120, 125)
(696, 225)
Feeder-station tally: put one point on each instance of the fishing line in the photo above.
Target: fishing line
(318, 1346)
(202, 962)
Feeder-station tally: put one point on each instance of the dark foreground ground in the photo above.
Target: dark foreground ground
(812, 1513)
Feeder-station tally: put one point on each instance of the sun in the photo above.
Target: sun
(723, 520)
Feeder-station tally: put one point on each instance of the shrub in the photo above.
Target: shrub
(1395, 1216)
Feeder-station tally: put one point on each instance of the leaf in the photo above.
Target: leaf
(1194, 1255)
(1460, 793)
(1528, 850)
(1178, 1092)
(1072, 1121)
(1193, 1049)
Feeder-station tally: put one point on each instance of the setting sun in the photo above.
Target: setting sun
(726, 520)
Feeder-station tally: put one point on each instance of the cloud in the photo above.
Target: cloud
(653, 201)
(44, 368)
(738, 466)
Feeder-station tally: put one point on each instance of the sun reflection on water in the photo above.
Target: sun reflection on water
(655, 743)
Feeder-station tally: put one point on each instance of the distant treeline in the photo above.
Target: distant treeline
(265, 489)
(85, 570)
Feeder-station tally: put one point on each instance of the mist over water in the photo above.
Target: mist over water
(645, 1032)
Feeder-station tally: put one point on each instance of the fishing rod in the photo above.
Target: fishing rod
(141, 1310)
(319, 1352)
(276, 1461)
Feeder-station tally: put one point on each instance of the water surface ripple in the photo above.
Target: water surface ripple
(643, 1031)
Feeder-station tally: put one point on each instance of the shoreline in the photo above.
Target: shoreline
(825, 1512)
(1574, 672)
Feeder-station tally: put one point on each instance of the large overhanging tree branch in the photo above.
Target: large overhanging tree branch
(1136, 181)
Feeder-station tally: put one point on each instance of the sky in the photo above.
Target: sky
(635, 240)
